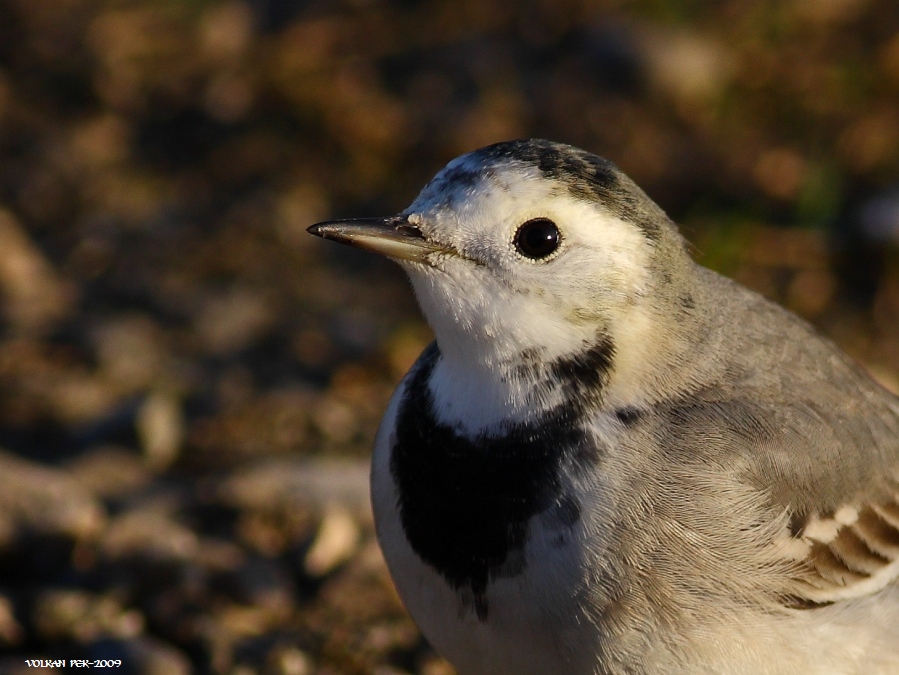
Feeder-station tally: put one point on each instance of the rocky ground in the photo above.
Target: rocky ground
(190, 384)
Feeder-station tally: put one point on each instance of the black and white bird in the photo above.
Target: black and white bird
(614, 460)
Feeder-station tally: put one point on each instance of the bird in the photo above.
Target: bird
(612, 459)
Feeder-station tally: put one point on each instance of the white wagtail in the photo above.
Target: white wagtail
(613, 460)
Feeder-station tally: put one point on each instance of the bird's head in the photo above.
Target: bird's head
(532, 248)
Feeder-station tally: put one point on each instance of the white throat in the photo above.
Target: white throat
(495, 353)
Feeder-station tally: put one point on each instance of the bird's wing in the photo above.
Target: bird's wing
(828, 455)
(833, 472)
(814, 433)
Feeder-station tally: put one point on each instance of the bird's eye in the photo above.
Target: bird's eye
(537, 238)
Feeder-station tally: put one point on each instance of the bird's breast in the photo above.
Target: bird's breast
(469, 505)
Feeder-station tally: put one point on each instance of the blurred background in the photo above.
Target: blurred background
(190, 384)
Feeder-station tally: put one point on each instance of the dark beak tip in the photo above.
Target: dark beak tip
(317, 229)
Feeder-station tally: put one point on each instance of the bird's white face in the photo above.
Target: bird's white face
(530, 259)
(521, 263)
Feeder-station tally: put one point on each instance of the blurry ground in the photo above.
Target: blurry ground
(181, 365)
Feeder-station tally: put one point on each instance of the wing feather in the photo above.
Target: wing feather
(861, 557)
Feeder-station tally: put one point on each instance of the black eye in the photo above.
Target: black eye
(537, 238)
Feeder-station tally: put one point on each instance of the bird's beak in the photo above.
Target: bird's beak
(394, 237)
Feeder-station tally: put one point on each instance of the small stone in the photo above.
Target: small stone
(11, 632)
(77, 615)
(41, 500)
(289, 661)
(691, 69)
(160, 426)
(316, 483)
(336, 542)
(146, 533)
(33, 296)
(243, 621)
